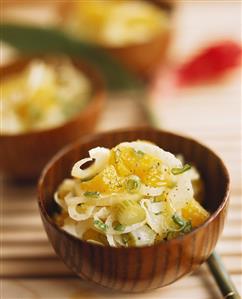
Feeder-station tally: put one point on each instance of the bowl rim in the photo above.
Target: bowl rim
(98, 90)
(91, 137)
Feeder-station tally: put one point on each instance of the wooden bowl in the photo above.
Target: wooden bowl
(23, 156)
(141, 58)
(137, 269)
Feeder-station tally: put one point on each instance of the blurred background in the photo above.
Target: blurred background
(69, 68)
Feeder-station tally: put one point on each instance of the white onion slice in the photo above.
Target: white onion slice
(151, 191)
(155, 221)
(101, 157)
(156, 207)
(183, 192)
(70, 226)
(83, 226)
(143, 236)
(95, 242)
(128, 229)
(74, 214)
(74, 200)
(111, 241)
(60, 202)
(102, 213)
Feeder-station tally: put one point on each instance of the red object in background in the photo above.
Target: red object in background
(210, 64)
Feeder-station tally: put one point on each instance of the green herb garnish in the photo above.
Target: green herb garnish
(180, 170)
(185, 226)
(132, 184)
(140, 153)
(178, 220)
(119, 227)
(100, 225)
(92, 194)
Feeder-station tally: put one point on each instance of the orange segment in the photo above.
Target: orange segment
(117, 161)
(127, 161)
(194, 212)
(107, 181)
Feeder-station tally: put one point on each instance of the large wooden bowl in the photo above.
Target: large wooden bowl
(138, 269)
(141, 58)
(23, 156)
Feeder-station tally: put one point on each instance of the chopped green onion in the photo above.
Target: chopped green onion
(185, 226)
(178, 220)
(92, 194)
(140, 153)
(177, 171)
(119, 227)
(132, 184)
(100, 225)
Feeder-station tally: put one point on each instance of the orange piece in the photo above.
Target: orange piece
(127, 161)
(194, 212)
(107, 181)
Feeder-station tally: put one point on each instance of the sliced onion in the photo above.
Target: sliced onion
(72, 204)
(156, 207)
(151, 191)
(155, 221)
(101, 157)
(102, 213)
(95, 242)
(128, 229)
(118, 240)
(111, 241)
(193, 174)
(70, 226)
(143, 236)
(74, 200)
(65, 190)
(182, 193)
(60, 202)
(83, 226)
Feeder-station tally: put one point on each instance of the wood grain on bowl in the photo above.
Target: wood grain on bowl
(141, 268)
(24, 155)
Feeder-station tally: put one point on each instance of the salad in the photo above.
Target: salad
(42, 95)
(116, 23)
(135, 194)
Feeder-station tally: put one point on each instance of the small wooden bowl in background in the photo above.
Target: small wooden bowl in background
(141, 58)
(22, 156)
(137, 269)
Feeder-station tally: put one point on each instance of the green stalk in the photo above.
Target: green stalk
(222, 277)
(35, 40)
